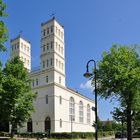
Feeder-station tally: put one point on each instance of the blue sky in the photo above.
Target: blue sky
(91, 27)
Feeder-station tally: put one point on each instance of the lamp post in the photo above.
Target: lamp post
(88, 75)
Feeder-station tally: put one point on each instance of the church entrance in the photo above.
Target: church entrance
(47, 124)
(29, 125)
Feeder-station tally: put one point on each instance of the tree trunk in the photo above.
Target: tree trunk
(13, 130)
(129, 124)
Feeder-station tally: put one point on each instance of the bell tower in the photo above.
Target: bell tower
(21, 48)
(52, 50)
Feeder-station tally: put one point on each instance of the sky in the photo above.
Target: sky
(91, 27)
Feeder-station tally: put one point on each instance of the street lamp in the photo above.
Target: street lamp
(88, 75)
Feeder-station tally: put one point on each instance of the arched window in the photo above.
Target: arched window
(60, 123)
(88, 114)
(29, 125)
(71, 109)
(81, 110)
(47, 124)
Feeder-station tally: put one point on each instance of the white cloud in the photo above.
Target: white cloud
(86, 85)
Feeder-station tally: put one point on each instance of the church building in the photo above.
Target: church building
(57, 107)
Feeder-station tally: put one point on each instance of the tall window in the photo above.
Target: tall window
(29, 125)
(88, 114)
(52, 29)
(60, 99)
(36, 81)
(56, 45)
(43, 48)
(47, 80)
(43, 64)
(62, 66)
(59, 79)
(59, 48)
(12, 47)
(56, 29)
(44, 32)
(46, 99)
(47, 30)
(81, 110)
(59, 32)
(51, 61)
(47, 46)
(51, 44)
(47, 124)
(33, 83)
(47, 63)
(27, 49)
(25, 60)
(71, 109)
(24, 47)
(60, 123)
(18, 45)
(56, 62)
(21, 45)
(28, 62)
(59, 64)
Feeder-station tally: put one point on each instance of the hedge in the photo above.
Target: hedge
(66, 135)
(136, 134)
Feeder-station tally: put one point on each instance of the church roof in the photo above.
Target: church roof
(50, 21)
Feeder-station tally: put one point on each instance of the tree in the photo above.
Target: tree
(3, 29)
(99, 124)
(119, 77)
(3, 39)
(119, 114)
(17, 98)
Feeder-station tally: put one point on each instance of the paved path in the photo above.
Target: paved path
(118, 139)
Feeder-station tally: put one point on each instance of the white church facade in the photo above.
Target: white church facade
(57, 108)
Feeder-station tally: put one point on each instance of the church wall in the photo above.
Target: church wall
(62, 112)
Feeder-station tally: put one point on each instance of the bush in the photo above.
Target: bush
(4, 134)
(136, 135)
(67, 135)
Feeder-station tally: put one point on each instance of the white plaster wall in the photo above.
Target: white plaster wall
(62, 112)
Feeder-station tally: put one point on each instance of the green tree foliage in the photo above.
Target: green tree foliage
(3, 29)
(16, 99)
(3, 39)
(99, 124)
(119, 76)
(119, 114)
(3, 34)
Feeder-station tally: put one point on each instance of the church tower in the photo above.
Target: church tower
(21, 48)
(52, 50)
